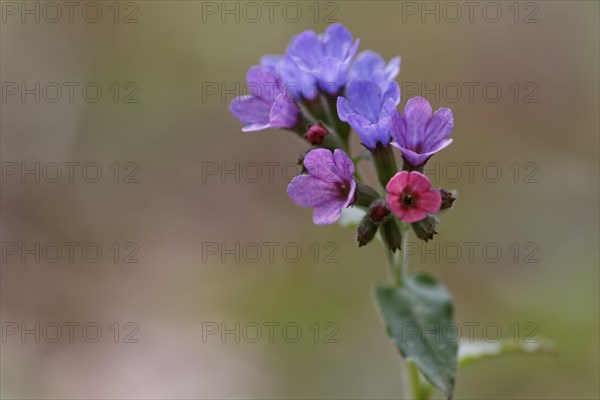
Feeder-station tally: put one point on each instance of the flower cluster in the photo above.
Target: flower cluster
(321, 89)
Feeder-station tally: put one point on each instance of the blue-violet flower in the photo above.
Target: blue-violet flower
(268, 105)
(326, 57)
(368, 110)
(328, 187)
(418, 133)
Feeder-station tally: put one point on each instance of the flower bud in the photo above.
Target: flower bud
(391, 235)
(378, 211)
(447, 199)
(425, 228)
(366, 231)
(316, 133)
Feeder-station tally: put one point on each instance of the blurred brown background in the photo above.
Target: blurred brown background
(170, 61)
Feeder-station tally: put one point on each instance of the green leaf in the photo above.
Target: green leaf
(418, 318)
(471, 352)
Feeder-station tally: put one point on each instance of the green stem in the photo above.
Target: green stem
(416, 388)
(405, 230)
(415, 383)
(385, 163)
(341, 129)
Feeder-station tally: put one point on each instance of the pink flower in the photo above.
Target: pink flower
(411, 197)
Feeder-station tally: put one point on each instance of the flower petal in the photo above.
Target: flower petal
(416, 115)
(283, 113)
(438, 128)
(343, 108)
(321, 164)
(430, 201)
(393, 202)
(365, 98)
(398, 128)
(413, 215)
(337, 41)
(393, 68)
(262, 83)
(365, 64)
(351, 194)
(308, 191)
(391, 97)
(398, 182)
(368, 132)
(371, 66)
(250, 110)
(271, 61)
(306, 50)
(330, 74)
(418, 182)
(344, 165)
(439, 146)
(415, 159)
(328, 213)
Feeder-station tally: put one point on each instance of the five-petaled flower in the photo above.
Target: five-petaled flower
(326, 57)
(418, 133)
(328, 187)
(268, 105)
(411, 197)
(368, 110)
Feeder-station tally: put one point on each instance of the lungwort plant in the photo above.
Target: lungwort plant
(321, 89)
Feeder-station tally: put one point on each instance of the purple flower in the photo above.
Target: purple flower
(371, 66)
(418, 133)
(368, 110)
(268, 105)
(328, 187)
(326, 57)
(297, 82)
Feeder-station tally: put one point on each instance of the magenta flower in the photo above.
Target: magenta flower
(411, 197)
(268, 105)
(328, 187)
(418, 133)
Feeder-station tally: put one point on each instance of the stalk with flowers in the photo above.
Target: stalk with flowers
(320, 89)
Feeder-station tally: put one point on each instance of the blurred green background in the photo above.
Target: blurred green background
(177, 53)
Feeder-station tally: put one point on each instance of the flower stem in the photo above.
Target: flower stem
(405, 230)
(385, 163)
(397, 274)
(415, 381)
